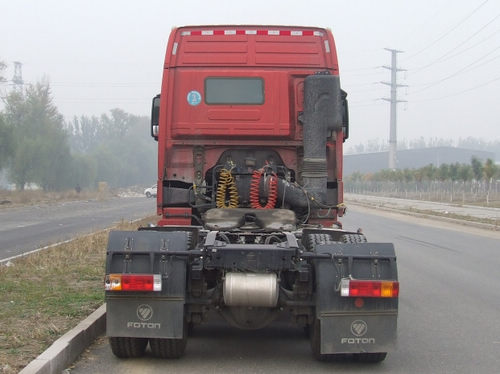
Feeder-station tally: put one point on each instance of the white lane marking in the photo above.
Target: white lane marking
(5, 260)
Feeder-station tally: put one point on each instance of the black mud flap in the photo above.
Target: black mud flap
(357, 333)
(349, 324)
(149, 318)
(158, 314)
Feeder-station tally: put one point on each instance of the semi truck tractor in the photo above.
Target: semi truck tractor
(250, 125)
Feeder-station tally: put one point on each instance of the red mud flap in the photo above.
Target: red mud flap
(358, 333)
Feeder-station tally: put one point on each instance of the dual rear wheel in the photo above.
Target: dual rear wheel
(124, 347)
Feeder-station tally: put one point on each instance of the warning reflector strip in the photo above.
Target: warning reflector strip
(270, 32)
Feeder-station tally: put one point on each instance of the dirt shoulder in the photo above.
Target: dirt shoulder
(14, 199)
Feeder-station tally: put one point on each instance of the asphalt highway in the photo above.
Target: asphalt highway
(449, 319)
(24, 229)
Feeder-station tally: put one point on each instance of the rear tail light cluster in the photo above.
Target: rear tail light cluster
(133, 282)
(368, 288)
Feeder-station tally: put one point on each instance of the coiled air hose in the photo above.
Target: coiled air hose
(272, 187)
(226, 186)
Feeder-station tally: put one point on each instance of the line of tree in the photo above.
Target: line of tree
(475, 171)
(477, 181)
(118, 145)
(37, 146)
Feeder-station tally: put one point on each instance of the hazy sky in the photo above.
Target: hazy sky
(99, 55)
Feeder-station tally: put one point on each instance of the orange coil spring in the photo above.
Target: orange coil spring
(225, 186)
(255, 190)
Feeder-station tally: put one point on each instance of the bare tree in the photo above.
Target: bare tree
(2, 68)
(490, 169)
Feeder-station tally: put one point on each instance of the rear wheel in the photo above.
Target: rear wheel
(315, 239)
(353, 238)
(168, 348)
(370, 357)
(128, 347)
(148, 194)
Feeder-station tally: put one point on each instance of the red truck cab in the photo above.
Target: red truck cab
(234, 96)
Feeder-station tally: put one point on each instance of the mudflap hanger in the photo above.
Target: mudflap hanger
(354, 324)
(148, 314)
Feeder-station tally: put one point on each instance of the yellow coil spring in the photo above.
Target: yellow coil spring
(226, 185)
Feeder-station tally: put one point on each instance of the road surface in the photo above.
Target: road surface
(449, 319)
(25, 229)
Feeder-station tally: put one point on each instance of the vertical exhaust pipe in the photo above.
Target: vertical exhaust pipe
(322, 113)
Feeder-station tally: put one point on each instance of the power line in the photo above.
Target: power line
(371, 73)
(101, 84)
(444, 56)
(102, 99)
(450, 30)
(374, 103)
(415, 30)
(472, 46)
(460, 92)
(460, 71)
(354, 85)
(359, 69)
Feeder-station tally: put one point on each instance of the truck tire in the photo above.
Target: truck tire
(128, 347)
(168, 348)
(314, 239)
(370, 357)
(353, 238)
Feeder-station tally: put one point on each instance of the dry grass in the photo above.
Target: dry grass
(45, 294)
(31, 197)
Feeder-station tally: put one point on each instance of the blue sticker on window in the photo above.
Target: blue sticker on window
(193, 98)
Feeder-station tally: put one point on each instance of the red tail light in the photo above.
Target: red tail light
(368, 288)
(133, 282)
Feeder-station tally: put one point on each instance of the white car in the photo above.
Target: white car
(150, 191)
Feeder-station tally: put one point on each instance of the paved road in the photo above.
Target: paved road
(27, 228)
(449, 313)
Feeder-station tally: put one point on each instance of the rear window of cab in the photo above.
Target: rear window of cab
(234, 91)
